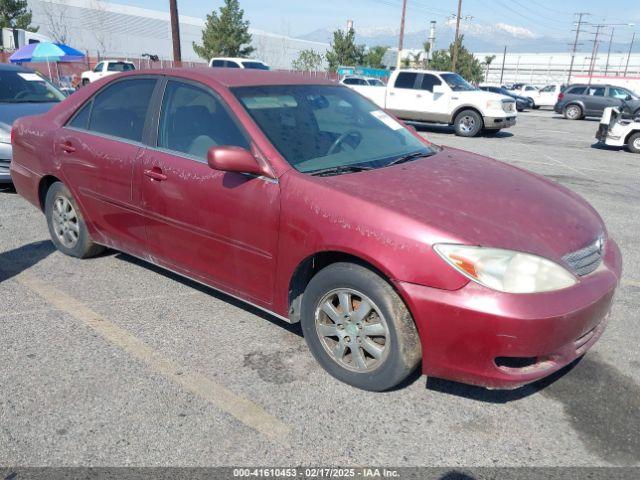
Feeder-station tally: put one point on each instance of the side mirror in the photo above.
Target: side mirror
(438, 89)
(233, 159)
(628, 97)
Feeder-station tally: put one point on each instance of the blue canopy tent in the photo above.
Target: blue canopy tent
(46, 52)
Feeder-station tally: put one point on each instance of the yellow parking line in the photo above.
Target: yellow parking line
(631, 283)
(247, 412)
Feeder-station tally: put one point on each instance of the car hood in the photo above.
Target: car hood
(480, 96)
(466, 198)
(10, 112)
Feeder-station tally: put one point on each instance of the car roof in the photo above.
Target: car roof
(238, 59)
(231, 77)
(13, 68)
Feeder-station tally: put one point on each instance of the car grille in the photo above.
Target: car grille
(586, 260)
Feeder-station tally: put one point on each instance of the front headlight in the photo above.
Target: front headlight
(506, 270)
(494, 104)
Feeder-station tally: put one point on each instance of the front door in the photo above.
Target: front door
(217, 227)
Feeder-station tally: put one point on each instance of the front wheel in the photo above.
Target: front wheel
(358, 328)
(468, 123)
(85, 82)
(66, 226)
(634, 143)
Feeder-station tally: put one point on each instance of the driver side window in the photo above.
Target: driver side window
(193, 120)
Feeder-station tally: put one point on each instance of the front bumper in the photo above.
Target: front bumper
(5, 162)
(467, 334)
(496, 123)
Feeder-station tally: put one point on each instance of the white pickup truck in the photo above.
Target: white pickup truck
(442, 97)
(104, 69)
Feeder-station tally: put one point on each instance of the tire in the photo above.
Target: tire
(573, 112)
(85, 82)
(66, 226)
(634, 143)
(386, 338)
(468, 123)
(533, 103)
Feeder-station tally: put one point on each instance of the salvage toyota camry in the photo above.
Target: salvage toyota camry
(302, 198)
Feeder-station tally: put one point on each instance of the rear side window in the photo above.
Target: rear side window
(120, 67)
(355, 81)
(576, 90)
(230, 64)
(120, 110)
(428, 82)
(596, 91)
(406, 80)
(193, 120)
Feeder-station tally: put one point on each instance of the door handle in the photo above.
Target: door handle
(155, 174)
(66, 147)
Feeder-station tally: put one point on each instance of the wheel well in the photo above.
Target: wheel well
(462, 109)
(43, 188)
(309, 267)
(632, 132)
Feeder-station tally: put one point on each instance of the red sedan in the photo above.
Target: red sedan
(302, 198)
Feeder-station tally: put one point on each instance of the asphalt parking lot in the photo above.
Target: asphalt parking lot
(111, 361)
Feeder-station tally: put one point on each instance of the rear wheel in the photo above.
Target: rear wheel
(66, 226)
(573, 112)
(85, 82)
(634, 143)
(468, 123)
(358, 328)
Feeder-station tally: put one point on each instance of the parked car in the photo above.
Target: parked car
(580, 101)
(442, 97)
(524, 90)
(361, 80)
(522, 103)
(22, 92)
(548, 95)
(619, 128)
(105, 69)
(307, 200)
(229, 62)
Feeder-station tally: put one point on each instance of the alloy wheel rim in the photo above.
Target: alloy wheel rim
(65, 222)
(636, 143)
(352, 330)
(573, 112)
(467, 123)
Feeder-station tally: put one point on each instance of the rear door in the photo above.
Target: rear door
(402, 95)
(98, 151)
(595, 100)
(218, 227)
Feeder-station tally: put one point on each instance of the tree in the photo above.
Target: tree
(344, 51)
(16, 14)
(426, 46)
(467, 65)
(487, 61)
(308, 61)
(225, 34)
(373, 57)
(57, 22)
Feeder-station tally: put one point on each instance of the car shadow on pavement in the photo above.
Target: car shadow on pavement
(497, 396)
(292, 328)
(448, 129)
(14, 262)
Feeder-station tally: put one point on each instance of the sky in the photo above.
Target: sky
(526, 18)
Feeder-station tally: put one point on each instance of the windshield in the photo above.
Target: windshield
(27, 87)
(318, 127)
(255, 65)
(120, 67)
(457, 83)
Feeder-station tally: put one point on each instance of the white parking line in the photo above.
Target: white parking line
(247, 412)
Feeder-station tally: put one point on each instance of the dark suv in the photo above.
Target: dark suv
(579, 101)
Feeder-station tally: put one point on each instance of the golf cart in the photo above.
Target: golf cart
(619, 127)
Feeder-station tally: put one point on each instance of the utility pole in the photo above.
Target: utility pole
(575, 43)
(401, 39)
(594, 52)
(626, 67)
(504, 58)
(606, 66)
(454, 60)
(175, 31)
